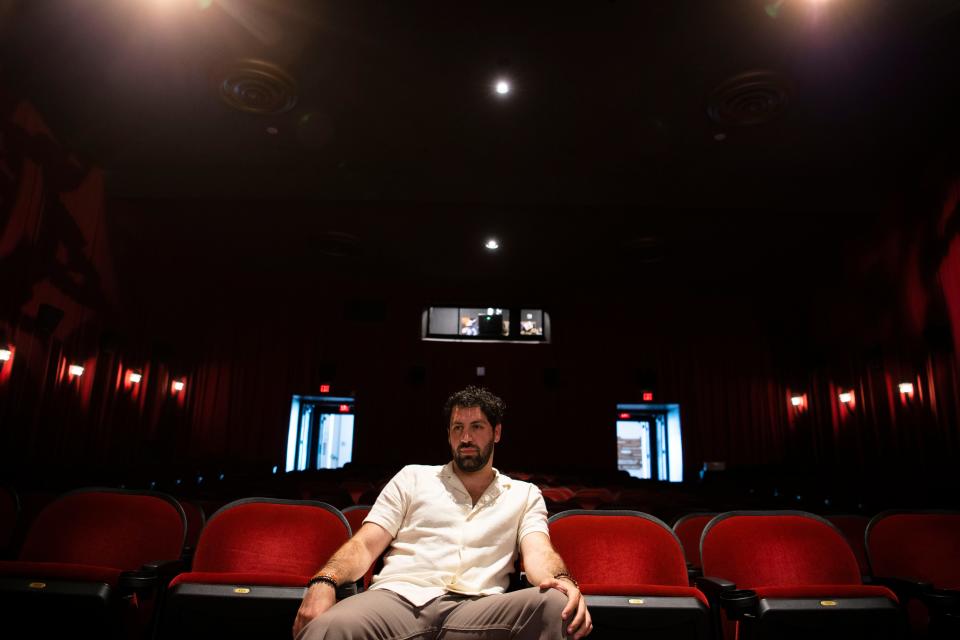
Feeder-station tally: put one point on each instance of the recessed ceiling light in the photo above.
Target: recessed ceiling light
(492, 244)
(719, 137)
(273, 131)
(502, 87)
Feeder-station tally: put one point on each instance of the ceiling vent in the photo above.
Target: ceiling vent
(750, 98)
(257, 86)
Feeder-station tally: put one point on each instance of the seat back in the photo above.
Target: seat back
(922, 545)
(689, 528)
(593, 497)
(777, 548)
(556, 494)
(196, 519)
(270, 535)
(854, 527)
(618, 547)
(355, 516)
(107, 527)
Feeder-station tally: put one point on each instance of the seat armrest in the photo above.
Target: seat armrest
(712, 586)
(138, 581)
(693, 573)
(164, 568)
(720, 592)
(152, 575)
(904, 588)
(740, 603)
(942, 601)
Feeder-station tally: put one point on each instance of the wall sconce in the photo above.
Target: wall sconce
(74, 370)
(177, 386)
(799, 401)
(134, 377)
(847, 398)
(906, 392)
(6, 354)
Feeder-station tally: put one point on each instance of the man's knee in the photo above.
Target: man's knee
(553, 600)
(328, 626)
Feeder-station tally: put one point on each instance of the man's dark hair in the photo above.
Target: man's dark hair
(492, 406)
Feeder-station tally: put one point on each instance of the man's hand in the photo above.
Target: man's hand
(575, 614)
(318, 599)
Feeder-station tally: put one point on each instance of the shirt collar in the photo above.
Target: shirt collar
(498, 485)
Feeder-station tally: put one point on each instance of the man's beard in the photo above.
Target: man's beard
(473, 462)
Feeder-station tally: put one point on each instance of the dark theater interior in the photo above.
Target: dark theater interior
(707, 252)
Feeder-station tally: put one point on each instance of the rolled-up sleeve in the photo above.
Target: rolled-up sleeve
(390, 507)
(535, 516)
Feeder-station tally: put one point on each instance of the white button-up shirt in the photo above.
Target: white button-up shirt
(442, 542)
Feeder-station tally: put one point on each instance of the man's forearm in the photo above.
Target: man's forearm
(349, 563)
(546, 564)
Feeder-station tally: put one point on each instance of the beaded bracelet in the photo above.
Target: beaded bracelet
(323, 577)
(564, 574)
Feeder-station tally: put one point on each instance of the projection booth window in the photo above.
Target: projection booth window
(486, 324)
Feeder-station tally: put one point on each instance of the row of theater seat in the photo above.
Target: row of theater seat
(112, 562)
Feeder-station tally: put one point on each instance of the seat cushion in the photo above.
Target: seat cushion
(653, 590)
(60, 571)
(824, 591)
(241, 578)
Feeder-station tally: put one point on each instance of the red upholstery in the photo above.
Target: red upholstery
(593, 497)
(355, 516)
(628, 553)
(854, 527)
(826, 591)
(240, 578)
(777, 549)
(918, 545)
(355, 488)
(556, 494)
(632, 589)
(106, 528)
(92, 536)
(255, 542)
(60, 571)
(618, 547)
(688, 529)
(270, 537)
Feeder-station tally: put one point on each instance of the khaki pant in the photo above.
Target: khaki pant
(527, 614)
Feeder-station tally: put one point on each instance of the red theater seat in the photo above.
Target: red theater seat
(688, 529)
(917, 553)
(854, 527)
(355, 516)
(593, 497)
(250, 568)
(791, 574)
(196, 519)
(96, 560)
(556, 494)
(631, 569)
